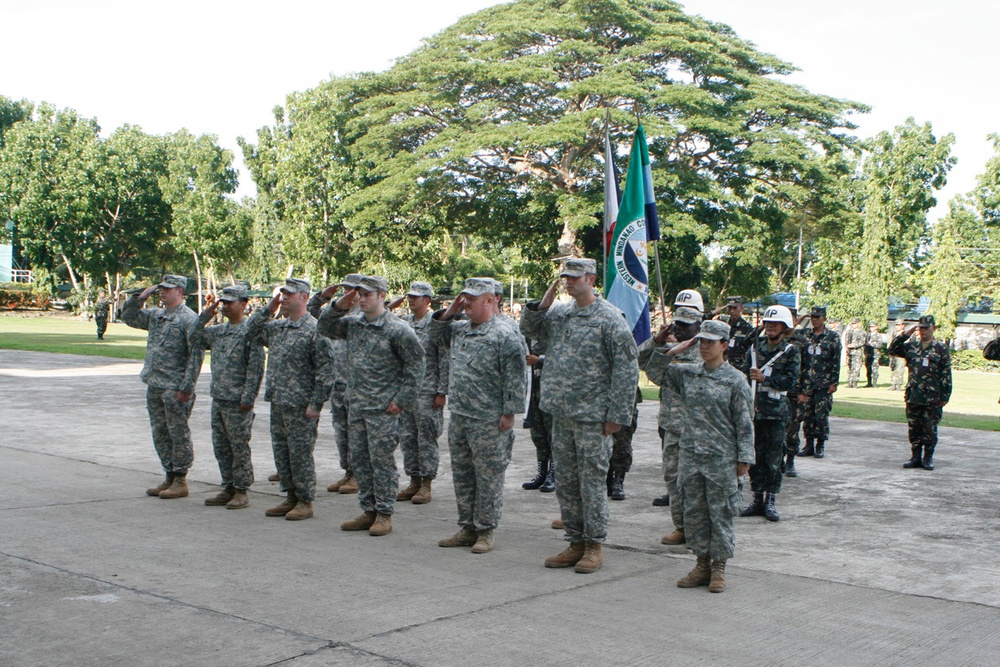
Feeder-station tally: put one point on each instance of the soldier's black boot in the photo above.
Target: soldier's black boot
(808, 449)
(928, 461)
(618, 486)
(539, 478)
(550, 480)
(661, 501)
(770, 513)
(756, 508)
(820, 448)
(790, 466)
(914, 461)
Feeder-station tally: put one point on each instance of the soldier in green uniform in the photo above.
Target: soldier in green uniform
(873, 354)
(101, 310)
(822, 375)
(928, 390)
(739, 329)
(796, 412)
(897, 365)
(539, 423)
(854, 340)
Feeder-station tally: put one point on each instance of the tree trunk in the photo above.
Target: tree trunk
(69, 269)
(197, 270)
(567, 242)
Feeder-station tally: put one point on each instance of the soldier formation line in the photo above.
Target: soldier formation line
(732, 401)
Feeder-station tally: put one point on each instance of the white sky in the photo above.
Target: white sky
(220, 66)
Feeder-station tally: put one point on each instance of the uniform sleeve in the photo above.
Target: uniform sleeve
(255, 373)
(741, 409)
(533, 322)
(835, 375)
(315, 305)
(196, 354)
(945, 375)
(439, 331)
(444, 368)
(204, 335)
(257, 329)
(513, 375)
(897, 347)
(623, 354)
(411, 353)
(653, 360)
(134, 315)
(322, 358)
(331, 323)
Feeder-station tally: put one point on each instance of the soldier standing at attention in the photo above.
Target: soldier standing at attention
(774, 369)
(420, 427)
(540, 423)
(927, 391)
(338, 395)
(873, 354)
(670, 419)
(795, 409)
(588, 386)
(739, 329)
(101, 310)
(237, 370)
(854, 340)
(299, 376)
(385, 366)
(820, 382)
(170, 371)
(716, 449)
(897, 365)
(487, 388)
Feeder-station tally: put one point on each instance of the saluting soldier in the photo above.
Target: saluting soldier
(822, 375)
(170, 371)
(928, 390)
(739, 329)
(237, 370)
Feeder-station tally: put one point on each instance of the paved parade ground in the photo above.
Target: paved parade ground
(870, 565)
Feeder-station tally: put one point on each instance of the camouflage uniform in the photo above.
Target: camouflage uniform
(338, 395)
(854, 341)
(796, 411)
(821, 372)
(897, 366)
(487, 380)
(421, 426)
(927, 392)
(873, 355)
(101, 311)
(621, 444)
(771, 411)
(739, 332)
(539, 420)
(237, 370)
(172, 364)
(385, 364)
(589, 378)
(299, 376)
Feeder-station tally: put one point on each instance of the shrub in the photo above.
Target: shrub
(972, 360)
(20, 296)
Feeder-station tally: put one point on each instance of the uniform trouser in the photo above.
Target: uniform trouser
(816, 415)
(480, 454)
(231, 431)
(102, 326)
(419, 430)
(796, 414)
(338, 411)
(923, 423)
(541, 433)
(671, 452)
(709, 528)
(769, 448)
(293, 439)
(621, 447)
(855, 359)
(168, 418)
(581, 453)
(374, 435)
(897, 367)
(871, 366)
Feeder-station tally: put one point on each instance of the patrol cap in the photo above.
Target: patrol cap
(817, 311)
(925, 321)
(691, 299)
(373, 284)
(497, 287)
(419, 288)
(478, 286)
(576, 268)
(171, 280)
(352, 280)
(686, 315)
(713, 330)
(872, 324)
(856, 320)
(296, 285)
(900, 322)
(234, 293)
(734, 301)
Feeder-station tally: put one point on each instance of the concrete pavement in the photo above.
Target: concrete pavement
(870, 565)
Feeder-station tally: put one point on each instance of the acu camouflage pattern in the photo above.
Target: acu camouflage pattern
(581, 453)
(480, 454)
(168, 418)
(820, 372)
(231, 431)
(854, 340)
(339, 393)
(420, 428)
(873, 355)
(293, 440)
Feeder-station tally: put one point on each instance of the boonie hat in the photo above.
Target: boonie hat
(691, 299)
(575, 268)
(234, 293)
(478, 286)
(373, 284)
(713, 330)
(687, 315)
(295, 285)
(420, 289)
(171, 280)
(925, 321)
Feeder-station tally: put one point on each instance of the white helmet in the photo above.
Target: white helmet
(779, 314)
(691, 299)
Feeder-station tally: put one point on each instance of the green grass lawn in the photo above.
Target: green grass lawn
(66, 335)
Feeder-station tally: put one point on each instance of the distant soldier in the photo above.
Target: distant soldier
(237, 370)
(670, 419)
(716, 448)
(385, 365)
(170, 371)
(928, 390)
(299, 377)
(739, 329)
(101, 311)
(822, 376)
(487, 388)
(773, 366)
(588, 387)
(897, 365)
(873, 354)
(854, 340)
(796, 410)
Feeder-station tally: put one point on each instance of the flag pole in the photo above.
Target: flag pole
(604, 222)
(659, 281)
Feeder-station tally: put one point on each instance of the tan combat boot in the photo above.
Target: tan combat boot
(302, 510)
(676, 537)
(335, 487)
(699, 576)
(423, 495)
(349, 486)
(557, 524)
(274, 477)
(163, 486)
(484, 542)
(592, 559)
(221, 498)
(382, 525)
(568, 558)
(363, 522)
(463, 538)
(285, 507)
(179, 489)
(718, 583)
(410, 491)
(239, 501)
